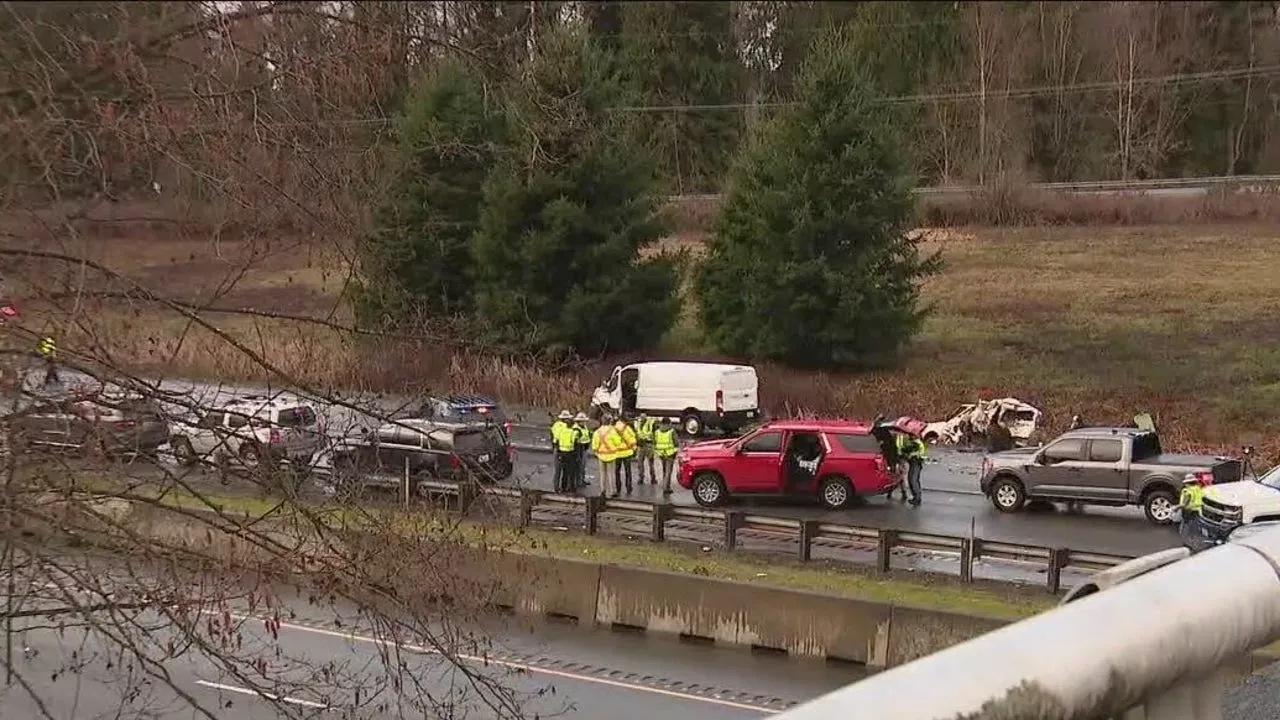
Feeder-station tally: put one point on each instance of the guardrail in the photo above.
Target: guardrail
(1252, 183)
(730, 528)
(1158, 644)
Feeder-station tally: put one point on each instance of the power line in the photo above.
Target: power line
(1013, 93)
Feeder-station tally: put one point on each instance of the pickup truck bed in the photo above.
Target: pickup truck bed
(1224, 469)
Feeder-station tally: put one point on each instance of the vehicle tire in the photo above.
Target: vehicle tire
(250, 457)
(1160, 506)
(931, 438)
(709, 490)
(836, 492)
(691, 424)
(182, 451)
(1007, 494)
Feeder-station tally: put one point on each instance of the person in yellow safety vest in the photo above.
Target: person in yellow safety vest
(1189, 501)
(49, 351)
(665, 446)
(562, 443)
(622, 442)
(644, 448)
(604, 452)
(582, 442)
(913, 452)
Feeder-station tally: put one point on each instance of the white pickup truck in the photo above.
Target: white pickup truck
(1229, 505)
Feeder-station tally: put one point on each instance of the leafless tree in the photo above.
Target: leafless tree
(220, 139)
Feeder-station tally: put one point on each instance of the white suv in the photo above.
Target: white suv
(251, 430)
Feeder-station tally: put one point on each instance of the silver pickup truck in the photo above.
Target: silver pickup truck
(1099, 466)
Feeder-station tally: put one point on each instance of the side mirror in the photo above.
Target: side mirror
(1041, 459)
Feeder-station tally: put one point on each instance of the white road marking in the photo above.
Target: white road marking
(268, 696)
(521, 666)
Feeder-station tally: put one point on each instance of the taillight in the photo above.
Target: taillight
(125, 423)
(720, 401)
(881, 464)
(274, 437)
(455, 462)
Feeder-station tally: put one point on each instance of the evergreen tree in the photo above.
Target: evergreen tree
(678, 54)
(557, 252)
(810, 262)
(416, 264)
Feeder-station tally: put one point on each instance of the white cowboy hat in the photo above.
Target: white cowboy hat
(565, 415)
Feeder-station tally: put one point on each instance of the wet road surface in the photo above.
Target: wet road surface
(952, 505)
(320, 655)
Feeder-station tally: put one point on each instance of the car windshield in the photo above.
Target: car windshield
(477, 440)
(1271, 478)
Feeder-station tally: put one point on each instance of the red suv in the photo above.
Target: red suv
(836, 460)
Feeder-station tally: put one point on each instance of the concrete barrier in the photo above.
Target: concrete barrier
(807, 624)
(536, 585)
(801, 623)
(917, 632)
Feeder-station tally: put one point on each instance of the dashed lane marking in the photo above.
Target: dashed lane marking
(256, 693)
(576, 671)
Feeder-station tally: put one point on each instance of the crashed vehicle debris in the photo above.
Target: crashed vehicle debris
(972, 420)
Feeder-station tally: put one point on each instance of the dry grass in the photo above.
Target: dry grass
(1177, 320)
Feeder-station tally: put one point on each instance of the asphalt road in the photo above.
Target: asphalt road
(326, 659)
(952, 505)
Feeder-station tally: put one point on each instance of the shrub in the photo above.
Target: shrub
(416, 262)
(810, 262)
(557, 251)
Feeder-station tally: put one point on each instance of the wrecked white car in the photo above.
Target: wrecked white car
(973, 419)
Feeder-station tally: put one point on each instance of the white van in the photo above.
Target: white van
(696, 396)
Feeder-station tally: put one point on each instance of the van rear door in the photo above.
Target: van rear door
(740, 388)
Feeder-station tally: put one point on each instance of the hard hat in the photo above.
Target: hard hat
(1190, 479)
(565, 415)
(581, 417)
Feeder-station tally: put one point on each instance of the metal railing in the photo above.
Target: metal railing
(1159, 644)
(1203, 185)
(736, 530)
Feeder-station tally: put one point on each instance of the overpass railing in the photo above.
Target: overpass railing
(1156, 645)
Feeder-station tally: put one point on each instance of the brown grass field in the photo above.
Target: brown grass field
(1181, 320)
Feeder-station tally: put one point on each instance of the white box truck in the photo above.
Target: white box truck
(696, 396)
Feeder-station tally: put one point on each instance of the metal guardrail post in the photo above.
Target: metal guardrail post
(659, 516)
(885, 541)
(467, 492)
(808, 531)
(591, 510)
(1057, 561)
(732, 521)
(528, 499)
(966, 560)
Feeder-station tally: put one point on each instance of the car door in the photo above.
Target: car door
(43, 424)
(1057, 470)
(1106, 475)
(757, 463)
(204, 434)
(391, 451)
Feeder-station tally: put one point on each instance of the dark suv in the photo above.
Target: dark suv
(463, 409)
(111, 424)
(424, 450)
